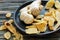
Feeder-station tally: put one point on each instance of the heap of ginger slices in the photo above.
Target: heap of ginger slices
(40, 23)
(50, 20)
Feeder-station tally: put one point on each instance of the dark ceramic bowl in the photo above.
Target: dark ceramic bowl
(21, 25)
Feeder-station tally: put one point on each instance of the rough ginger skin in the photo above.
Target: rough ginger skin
(35, 7)
(27, 18)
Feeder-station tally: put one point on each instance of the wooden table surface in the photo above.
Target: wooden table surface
(12, 5)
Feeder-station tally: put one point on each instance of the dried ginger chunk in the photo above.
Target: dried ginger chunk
(32, 31)
(58, 20)
(41, 26)
(57, 25)
(50, 22)
(7, 35)
(58, 15)
(10, 27)
(51, 28)
(57, 4)
(51, 13)
(18, 36)
(49, 4)
(8, 15)
(3, 27)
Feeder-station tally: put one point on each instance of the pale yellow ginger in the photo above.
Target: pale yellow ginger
(8, 15)
(57, 4)
(10, 27)
(2, 27)
(57, 25)
(18, 36)
(51, 13)
(57, 15)
(51, 17)
(27, 18)
(35, 7)
(7, 35)
(32, 31)
(50, 21)
(58, 20)
(50, 4)
(41, 26)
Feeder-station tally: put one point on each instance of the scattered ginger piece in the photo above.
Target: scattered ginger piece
(12, 29)
(7, 35)
(8, 15)
(32, 31)
(3, 27)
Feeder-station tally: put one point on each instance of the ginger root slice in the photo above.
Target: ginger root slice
(50, 21)
(51, 13)
(41, 26)
(18, 36)
(51, 28)
(58, 15)
(54, 27)
(58, 20)
(49, 4)
(51, 25)
(8, 15)
(2, 27)
(32, 31)
(10, 27)
(7, 35)
(35, 7)
(57, 4)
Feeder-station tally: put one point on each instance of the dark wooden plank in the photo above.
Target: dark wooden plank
(17, 0)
